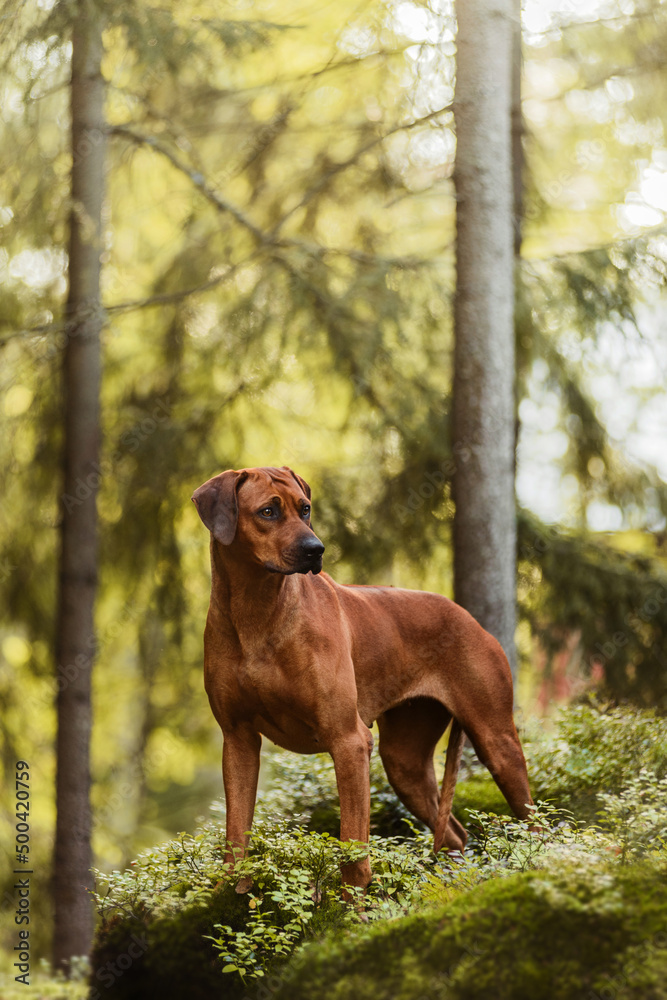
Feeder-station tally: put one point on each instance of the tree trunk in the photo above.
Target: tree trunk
(517, 126)
(483, 405)
(517, 177)
(75, 637)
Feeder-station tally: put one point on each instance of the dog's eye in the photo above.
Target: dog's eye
(267, 512)
(305, 511)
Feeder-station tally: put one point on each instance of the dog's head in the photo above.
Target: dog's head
(265, 515)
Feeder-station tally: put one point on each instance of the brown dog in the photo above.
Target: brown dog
(294, 656)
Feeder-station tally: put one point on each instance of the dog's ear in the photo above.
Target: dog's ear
(217, 504)
(302, 482)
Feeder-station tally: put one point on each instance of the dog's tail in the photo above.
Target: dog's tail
(452, 762)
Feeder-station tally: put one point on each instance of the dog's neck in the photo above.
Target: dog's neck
(248, 595)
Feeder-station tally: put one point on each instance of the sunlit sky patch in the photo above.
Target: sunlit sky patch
(625, 374)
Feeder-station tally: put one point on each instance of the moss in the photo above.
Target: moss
(168, 954)
(388, 815)
(538, 934)
(644, 973)
(479, 792)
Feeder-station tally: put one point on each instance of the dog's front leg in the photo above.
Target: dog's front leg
(240, 770)
(351, 756)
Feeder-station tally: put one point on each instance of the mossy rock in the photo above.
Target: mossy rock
(168, 954)
(555, 935)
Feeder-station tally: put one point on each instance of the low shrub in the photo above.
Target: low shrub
(568, 932)
(596, 748)
(635, 819)
(175, 924)
(304, 789)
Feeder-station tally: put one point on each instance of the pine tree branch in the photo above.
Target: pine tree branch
(196, 178)
(218, 93)
(169, 298)
(269, 241)
(223, 205)
(338, 168)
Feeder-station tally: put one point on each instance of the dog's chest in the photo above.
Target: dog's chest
(259, 675)
(283, 711)
(265, 678)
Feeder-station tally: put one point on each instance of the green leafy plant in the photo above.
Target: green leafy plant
(596, 748)
(636, 817)
(574, 929)
(182, 890)
(304, 790)
(296, 891)
(502, 845)
(200, 931)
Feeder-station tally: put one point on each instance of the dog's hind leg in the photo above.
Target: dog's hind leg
(500, 750)
(480, 696)
(497, 745)
(409, 735)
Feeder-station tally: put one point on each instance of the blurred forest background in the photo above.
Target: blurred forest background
(278, 273)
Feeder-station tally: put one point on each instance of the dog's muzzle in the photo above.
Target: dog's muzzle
(310, 555)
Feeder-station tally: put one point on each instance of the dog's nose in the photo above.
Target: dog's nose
(312, 548)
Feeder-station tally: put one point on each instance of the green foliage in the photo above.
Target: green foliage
(158, 914)
(179, 904)
(180, 907)
(547, 887)
(567, 932)
(304, 789)
(596, 749)
(296, 892)
(614, 601)
(295, 885)
(636, 817)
